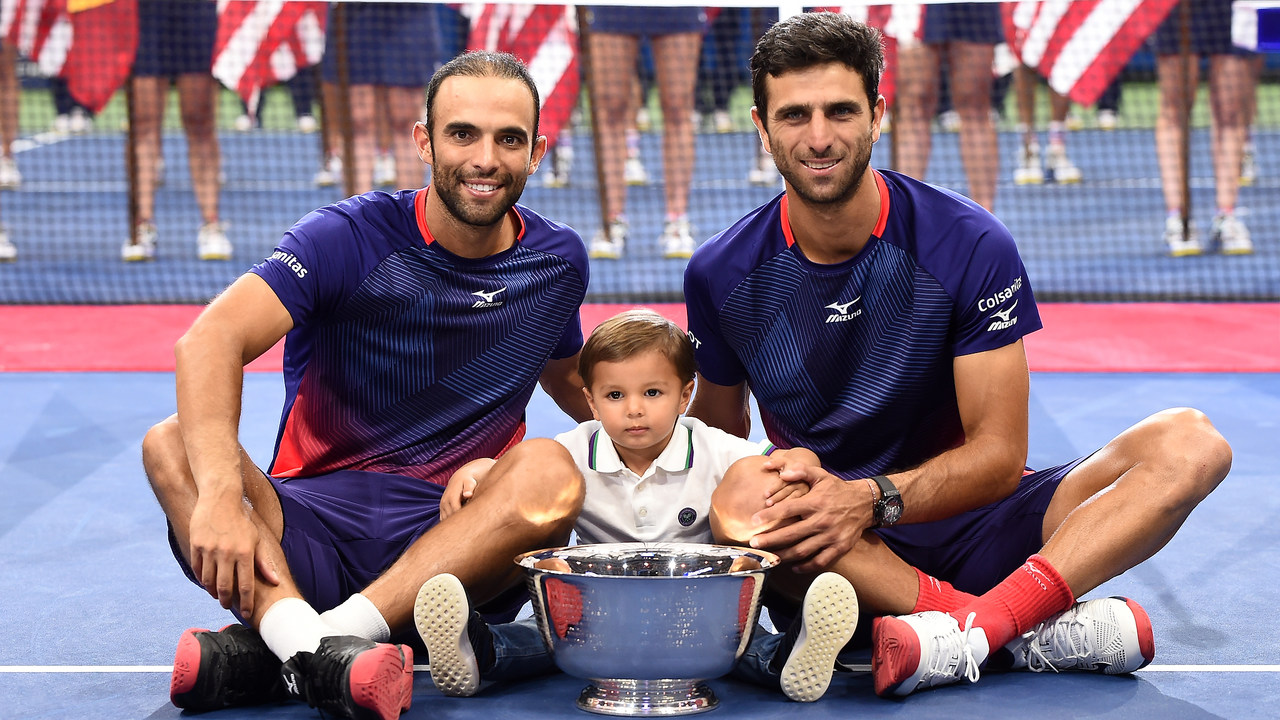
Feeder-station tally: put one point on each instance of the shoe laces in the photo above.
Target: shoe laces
(1061, 644)
(952, 656)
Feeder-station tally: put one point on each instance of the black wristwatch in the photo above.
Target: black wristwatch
(888, 509)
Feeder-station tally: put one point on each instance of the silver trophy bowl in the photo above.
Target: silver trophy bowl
(646, 623)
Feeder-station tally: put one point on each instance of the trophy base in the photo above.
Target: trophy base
(647, 698)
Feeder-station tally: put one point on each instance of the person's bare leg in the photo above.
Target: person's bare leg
(1024, 88)
(363, 135)
(613, 59)
(404, 107)
(676, 66)
(1230, 91)
(149, 95)
(917, 102)
(1122, 504)
(197, 103)
(1175, 103)
(971, 96)
(10, 97)
(529, 500)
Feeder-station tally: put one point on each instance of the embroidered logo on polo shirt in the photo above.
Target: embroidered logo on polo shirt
(687, 516)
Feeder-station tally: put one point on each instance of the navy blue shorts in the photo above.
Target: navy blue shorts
(975, 550)
(963, 22)
(344, 529)
(1210, 30)
(647, 21)
(175, 37)
(395, 44)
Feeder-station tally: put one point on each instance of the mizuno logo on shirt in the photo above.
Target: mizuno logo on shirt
(840, 312)
(1003, 318)
(487, 299)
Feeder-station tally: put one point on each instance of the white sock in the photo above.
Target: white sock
(358, 616)
(291, 626)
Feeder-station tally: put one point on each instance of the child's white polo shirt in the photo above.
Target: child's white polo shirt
(671, 501)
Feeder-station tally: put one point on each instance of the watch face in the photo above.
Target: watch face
(892, 510)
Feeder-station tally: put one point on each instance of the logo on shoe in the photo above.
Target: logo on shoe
(487, 299)
(840, 312)
(290, 261)
(290, 683)
(1003, 318)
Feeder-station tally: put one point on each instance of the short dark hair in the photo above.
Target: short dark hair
(483, 63)
(631, 333)
(816, 38)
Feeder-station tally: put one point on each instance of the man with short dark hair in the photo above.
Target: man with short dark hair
(416, 326)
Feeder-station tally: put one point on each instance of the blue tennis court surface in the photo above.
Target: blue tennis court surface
(92, 603)
(1096, 240)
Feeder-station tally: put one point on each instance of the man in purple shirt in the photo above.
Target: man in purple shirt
(416, 325)
(878, 321)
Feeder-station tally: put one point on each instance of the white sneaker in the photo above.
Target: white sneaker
(1029, 170)
(384, 170)
(441, 612)
(1180, 244)
(1107, 635)
(949, 121)
(677, 239)
(62, 124)
(10, 178)
(243, 123)
(212, 242)
(8, 251)
(826, 623)
(1073, 121)
(145, 247)
(634, 173)
(763, 172)
(1249, 164)
(644, 123)
(307, 124)
(330, 173)
(1108, 120)
(611, 246)
(722, 121)
(1060, 169)
(1231, 236)
(924, 650)
(561, 162)
(81, 122)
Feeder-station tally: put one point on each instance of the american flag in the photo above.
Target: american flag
(1081, 45)
(545, 37)
(265, 42)
(903, 26)
(91, 43)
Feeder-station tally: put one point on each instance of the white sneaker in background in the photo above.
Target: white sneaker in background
(634, 173)
(763, 171)
(8, 251)
(212, 242)
(80, 122)
(612, 245)
(10, 178)
(722, 121)
(1108, 120)
(62, 124)
(145, 247)
(1230, 235)
(384, 170)
(1249, 164)
(330, 172)
(242, 123)
(1059, 168)
(1180, 241)
(677, 239)
(307, 124)
(1029, 170)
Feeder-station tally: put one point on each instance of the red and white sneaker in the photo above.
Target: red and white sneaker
(924, 650)
(1108, 635)
(352, 677)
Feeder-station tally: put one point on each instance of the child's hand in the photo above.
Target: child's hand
(462, 486)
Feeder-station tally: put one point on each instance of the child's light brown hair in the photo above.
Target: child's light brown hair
(631, 333)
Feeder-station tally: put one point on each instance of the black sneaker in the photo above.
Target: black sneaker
(806, 656)
(352, 677)
(459, 644)
(229, 668)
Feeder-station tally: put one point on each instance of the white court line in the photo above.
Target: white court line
(423, 668)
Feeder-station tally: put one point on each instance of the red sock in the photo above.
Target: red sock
(1029, 596)
(938, 594)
